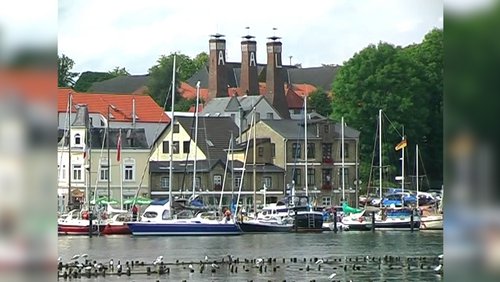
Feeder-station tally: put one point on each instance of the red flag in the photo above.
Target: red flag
(119, 146)
(86, 150)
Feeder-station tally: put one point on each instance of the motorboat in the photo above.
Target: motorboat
(77, 222)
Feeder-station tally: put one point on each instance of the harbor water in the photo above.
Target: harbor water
(356, 256)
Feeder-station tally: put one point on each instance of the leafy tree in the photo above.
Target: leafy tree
(321, 102)
(388, 78)
(160, 77)
(117, 71)
(201, 60)
(86, 79)
(65, 78)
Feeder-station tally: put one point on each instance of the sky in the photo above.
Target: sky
(100, 35)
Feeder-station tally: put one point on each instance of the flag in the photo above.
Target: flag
(401, 145)
(119, 146)
(86, 150)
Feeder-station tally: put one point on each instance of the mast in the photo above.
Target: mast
(171, 174)
(416, 166)
(306, 173)
(403, 165)
(254, 172)
(109, 165)
(380, 155)
(70, 170)
(196, 134)
(343, 161)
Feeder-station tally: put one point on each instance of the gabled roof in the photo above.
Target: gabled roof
(232, 104)
(318, 76)
(146, 108)
(121, 84)
(184, 166)
(290, 129)
(213, 134)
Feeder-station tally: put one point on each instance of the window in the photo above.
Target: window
(217, 179)
(346, 150)
(233, 117)
(104, 171)
(268, 182)
(77, 172)
(166, 147)
(261, 151)
(102, 122)
(311, 176)
(326, 128)
(176, 147)
(185, 147)
(346, 176)
(297, 176)
(164, 182)
(297, 111)
(326, 201)
(269, 115)
(62, 172)
(176, 128)
(327, 176)
(327, 153)
(78, 139)
(296, 150)
(273, 150)
(311, 152)
(129, 170)
(257, 117)
(198, 182)
(237, 181)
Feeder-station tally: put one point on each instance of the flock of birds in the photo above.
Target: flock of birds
(80, 265)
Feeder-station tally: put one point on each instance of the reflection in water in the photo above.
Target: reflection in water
(326, 245)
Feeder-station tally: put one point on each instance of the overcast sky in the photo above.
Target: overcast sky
(99, 35)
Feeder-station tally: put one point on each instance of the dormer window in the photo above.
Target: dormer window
(78, 139)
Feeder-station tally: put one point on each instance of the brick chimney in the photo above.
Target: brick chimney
(249, 83)
(217, 74)
(274, 78)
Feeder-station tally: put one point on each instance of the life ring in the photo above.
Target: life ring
(104, 215)
(360, 219)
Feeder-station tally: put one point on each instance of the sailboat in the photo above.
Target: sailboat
(430, 220)
(159, 219)
(394, 218)
(267, 220)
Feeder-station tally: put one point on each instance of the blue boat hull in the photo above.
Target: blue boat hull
(170, 229)
(249, 227)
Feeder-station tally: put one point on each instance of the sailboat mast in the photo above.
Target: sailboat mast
(343, 161)
(416, 166)
(305, 145)
(403, 165)
(380, 155)
(254, 172)
(196, 135)
(70, 170)
(171, 172)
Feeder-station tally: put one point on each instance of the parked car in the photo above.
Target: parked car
(397, 199)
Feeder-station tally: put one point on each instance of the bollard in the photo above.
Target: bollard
(411, 221)
(148, 270)
(90, 224)
(335, 229)
(373, 221)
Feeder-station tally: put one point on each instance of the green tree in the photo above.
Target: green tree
(383, 77)
(117, 71)
(65, 78)
(321, 102)
(200, 60)
(429, 56)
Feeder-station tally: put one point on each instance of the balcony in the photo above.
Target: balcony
(327, 160)
(326, 187)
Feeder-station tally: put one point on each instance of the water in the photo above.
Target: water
(326, 245)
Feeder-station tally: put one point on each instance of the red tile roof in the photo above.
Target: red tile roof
(145, 107)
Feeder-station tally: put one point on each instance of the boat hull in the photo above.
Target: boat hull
(176, 229)
(116, 229)
(308, 222)
(432, 223)
(397, 224)
(78, 229)
(259, 227)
